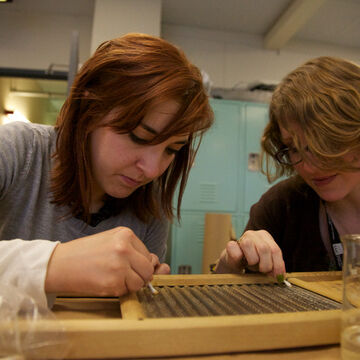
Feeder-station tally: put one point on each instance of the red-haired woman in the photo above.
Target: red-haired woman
(84, 205)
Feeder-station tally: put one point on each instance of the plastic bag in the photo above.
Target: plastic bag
(28, 331)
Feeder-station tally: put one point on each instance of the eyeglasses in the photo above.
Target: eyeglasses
(289, 156)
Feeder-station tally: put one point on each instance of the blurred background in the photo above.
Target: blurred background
(239, 44)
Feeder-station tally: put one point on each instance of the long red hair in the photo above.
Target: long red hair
(132, 73)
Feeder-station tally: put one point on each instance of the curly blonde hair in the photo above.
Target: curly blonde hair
(322, 97)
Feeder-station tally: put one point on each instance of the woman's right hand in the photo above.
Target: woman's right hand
(110, 263)
(255, 250)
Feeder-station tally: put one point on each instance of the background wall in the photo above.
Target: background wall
(236, 59)
(35, 34)
(35, 39)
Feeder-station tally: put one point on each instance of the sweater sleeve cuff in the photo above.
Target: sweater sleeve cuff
(24, 263)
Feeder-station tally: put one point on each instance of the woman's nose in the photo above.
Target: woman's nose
(309, 164)
(150, 163)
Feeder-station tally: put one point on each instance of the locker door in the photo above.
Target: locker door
(213, 179)
(187, 242)
(255, 182)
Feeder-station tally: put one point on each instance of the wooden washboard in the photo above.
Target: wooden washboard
(205, 314)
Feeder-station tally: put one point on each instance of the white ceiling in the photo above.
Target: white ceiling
(334, 21)
(247, 16)
(60, 7)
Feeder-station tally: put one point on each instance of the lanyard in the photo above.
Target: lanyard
(336, 244)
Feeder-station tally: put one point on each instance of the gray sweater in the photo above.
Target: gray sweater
(25, 209)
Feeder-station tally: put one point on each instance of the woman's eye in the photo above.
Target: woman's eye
(171, 151)
(293, 150)
(141, 141)
(137, 139)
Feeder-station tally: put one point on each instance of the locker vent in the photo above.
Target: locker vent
(199, 232)
(208, 192)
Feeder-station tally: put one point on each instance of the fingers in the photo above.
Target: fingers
(230, 260)
(259, 248)
(255, 250)
(154, 260)
(234, 254)
(158, 267)
(279, 264)
(162, 269)
(127, 234)
(142, 263)
(133, 282)
(110, 263)
(137, 263)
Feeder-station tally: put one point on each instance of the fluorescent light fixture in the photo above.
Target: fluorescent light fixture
(5, 1)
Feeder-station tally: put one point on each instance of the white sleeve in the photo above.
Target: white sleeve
(23, 264)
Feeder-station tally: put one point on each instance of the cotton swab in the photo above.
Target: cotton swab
(281, 280)
(152, 289)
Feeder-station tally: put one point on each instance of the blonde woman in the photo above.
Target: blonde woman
(313, 137)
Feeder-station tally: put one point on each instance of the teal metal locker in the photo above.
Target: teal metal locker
(213, 178)
(187, 244)
(223, 179)
(255, 182)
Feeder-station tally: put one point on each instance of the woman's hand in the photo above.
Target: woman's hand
(111, 263)
(255, 250)
(162, 269)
